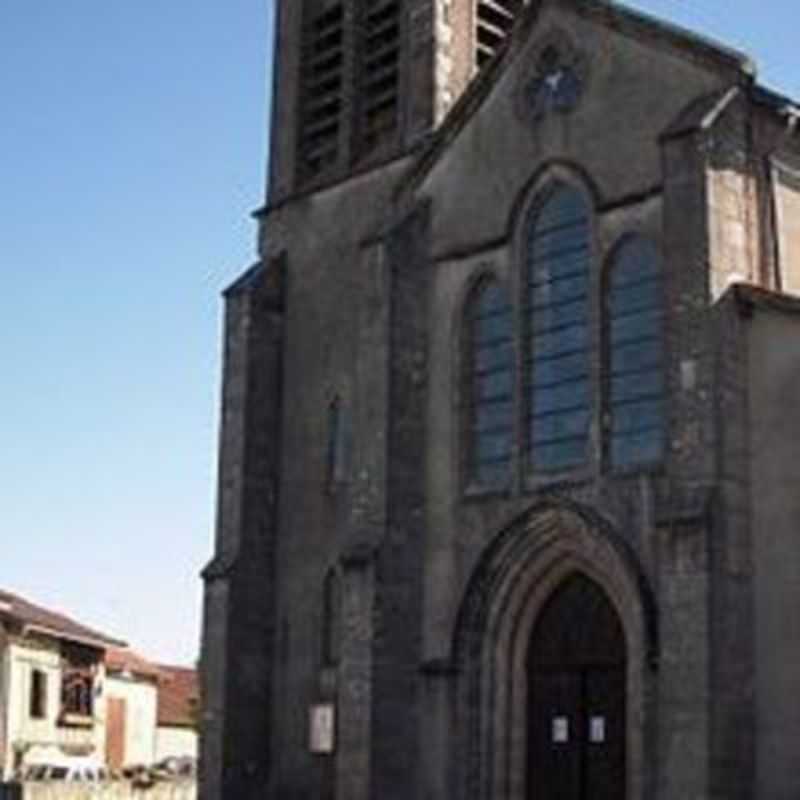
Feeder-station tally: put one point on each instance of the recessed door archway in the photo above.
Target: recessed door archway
(524, 575)
(576, 697)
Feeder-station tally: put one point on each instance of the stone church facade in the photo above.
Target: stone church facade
(509, 466)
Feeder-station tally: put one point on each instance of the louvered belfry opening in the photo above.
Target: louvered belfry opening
(379, 72)
(321, 91)
(493, 21)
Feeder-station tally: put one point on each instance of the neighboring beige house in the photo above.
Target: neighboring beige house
(151, 710)
(67, 690)
(178, 699)
(52, 681)
(132, 708)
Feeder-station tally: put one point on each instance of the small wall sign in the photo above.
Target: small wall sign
(560, 730)
(321, 729)
(597, 730)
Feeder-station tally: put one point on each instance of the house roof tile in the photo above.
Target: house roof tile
(37, 618)
(178, 695)
(120, 660)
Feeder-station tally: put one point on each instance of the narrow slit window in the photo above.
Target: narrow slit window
(489, 362)
(635, 337)
(558, 391)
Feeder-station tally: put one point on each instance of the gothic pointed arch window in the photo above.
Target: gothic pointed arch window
(636, 423)
(557, 251)
(337, 454)
(489, 385)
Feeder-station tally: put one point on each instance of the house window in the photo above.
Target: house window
(558, 394)
(489, 385)
(77, 697)
(38, 694)
(635, 358)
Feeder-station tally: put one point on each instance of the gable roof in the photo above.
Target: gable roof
(178, 696)
(36, 618)
(607, 12)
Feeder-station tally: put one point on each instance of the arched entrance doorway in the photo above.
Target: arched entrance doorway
(576, 697)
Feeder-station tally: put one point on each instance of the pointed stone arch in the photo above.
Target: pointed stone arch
(520, 570)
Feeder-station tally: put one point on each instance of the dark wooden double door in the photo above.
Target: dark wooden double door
(576, 691)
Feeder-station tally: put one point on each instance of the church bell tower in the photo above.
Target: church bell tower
(361, 82)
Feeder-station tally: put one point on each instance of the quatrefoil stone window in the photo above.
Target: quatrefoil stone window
(556, 82)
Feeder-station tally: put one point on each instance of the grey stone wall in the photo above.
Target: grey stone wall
(239, 622)
(773, 380)
(361, 305)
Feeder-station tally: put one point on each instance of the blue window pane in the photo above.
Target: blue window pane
(634, 327)
(574, 394)
(646, 447)
(493, 298)
(637, 296)
(561, 455)
(636, 385)
(493, 386)
(569, 425)
(492, 328)
(490, 381)
(564, 205)
(558, 331)
(637, 260)
(492, 447)
(636, 390)
(632, 417)
(558, 258)
(493, 416)
(560, 315)
(560, 290)
(492, 356)
(561, 342)
(558, 370)
(636, 356)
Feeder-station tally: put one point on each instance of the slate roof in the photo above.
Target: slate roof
(178, 695)
(35, 617)
(608, 12)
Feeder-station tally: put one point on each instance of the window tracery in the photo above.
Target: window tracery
(489, 382)
(557, 391)
(560, 396)
(635, 381)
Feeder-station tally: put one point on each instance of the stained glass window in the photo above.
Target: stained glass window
(636, 355)
(558, 394)
(489, 361)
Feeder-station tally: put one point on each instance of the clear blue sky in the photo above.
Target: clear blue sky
(132, 149)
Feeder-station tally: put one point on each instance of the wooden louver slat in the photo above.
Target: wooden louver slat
(379, 72)
(493, 21)
(321, 92)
